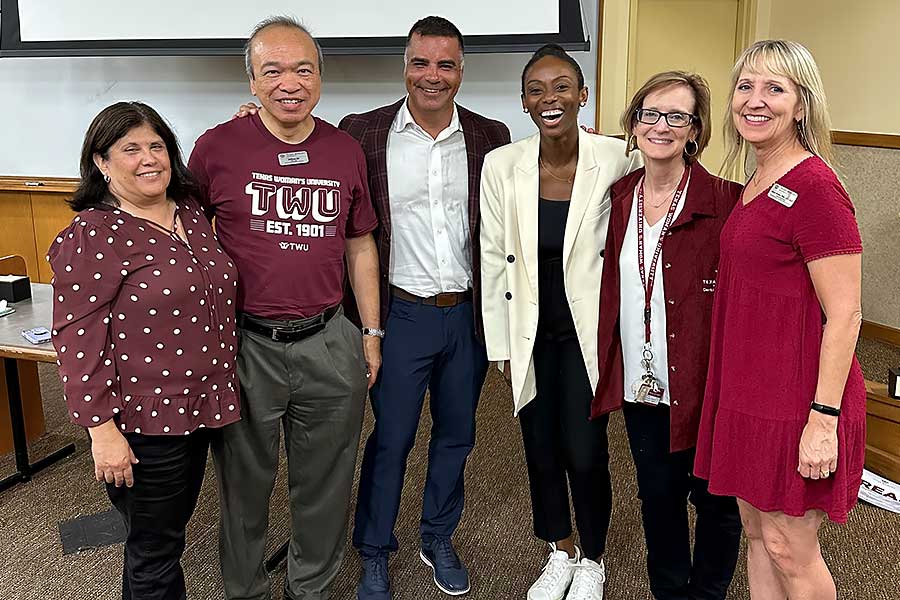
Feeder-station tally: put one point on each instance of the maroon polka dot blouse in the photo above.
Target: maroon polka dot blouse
(144, 323)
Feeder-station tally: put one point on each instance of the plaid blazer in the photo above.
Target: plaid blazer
(371, 130)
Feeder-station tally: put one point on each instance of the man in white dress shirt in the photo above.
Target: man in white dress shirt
(424, 155)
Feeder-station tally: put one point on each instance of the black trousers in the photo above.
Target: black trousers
(561, 444)
(156, 511)
(665, 484)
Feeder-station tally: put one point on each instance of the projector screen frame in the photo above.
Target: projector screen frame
(571, 36)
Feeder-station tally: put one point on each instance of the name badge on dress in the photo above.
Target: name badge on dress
(783, 195)
(286, 159)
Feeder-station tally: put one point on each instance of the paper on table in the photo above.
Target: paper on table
(879, 491)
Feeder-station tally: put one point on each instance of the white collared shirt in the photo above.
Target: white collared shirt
(428, 184)
(631, 302)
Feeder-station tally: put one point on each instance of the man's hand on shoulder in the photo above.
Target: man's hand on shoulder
(245, 110)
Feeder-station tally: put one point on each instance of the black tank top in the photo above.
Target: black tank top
(554, 316)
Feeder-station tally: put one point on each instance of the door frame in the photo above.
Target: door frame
(748, 20)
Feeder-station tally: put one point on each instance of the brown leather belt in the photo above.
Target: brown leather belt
(442, 300)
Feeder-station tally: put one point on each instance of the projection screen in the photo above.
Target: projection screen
(177, 27)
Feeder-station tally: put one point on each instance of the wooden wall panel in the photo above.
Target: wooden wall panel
(872, 140)
(51, 215)
(16, 229)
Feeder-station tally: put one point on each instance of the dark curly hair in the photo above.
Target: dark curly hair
(557, 51)
(108, 127)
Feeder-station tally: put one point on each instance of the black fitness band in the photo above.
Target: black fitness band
(825, 409)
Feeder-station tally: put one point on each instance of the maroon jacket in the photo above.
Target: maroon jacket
(691, 255)
(371, 130)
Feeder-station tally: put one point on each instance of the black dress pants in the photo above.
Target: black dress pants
(156, 510)
(565, 450)
(665, 483)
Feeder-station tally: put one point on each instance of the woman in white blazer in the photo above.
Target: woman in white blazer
(544, 212)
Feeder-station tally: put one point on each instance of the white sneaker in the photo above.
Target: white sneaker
(555, 576)
(587, 583)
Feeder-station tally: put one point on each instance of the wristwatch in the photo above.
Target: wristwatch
(379, 333)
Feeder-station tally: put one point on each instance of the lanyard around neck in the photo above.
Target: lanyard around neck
(648, 279)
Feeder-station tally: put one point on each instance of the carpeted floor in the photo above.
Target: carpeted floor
(494, 538)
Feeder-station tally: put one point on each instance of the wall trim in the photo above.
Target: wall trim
(861, 138)
(882, 333)
(65, 185)
(599, 46)
(69, 184)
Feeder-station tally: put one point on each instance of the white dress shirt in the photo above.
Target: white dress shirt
(631, 311)
(428, 184)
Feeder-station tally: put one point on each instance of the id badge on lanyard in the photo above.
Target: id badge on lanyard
(647, 389)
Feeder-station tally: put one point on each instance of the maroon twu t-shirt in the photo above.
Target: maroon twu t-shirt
(283, 212)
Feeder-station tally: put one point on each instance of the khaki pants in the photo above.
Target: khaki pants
(315, 389)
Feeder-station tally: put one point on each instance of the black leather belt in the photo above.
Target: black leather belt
(292, 333)
(442, 300)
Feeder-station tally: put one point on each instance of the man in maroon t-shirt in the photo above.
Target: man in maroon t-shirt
(290, 197)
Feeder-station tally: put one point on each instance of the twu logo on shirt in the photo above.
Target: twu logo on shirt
(294, 202)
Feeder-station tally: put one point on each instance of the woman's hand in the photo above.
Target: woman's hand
(818, 446)
(506, 373)
(112, 455)
(246, 110)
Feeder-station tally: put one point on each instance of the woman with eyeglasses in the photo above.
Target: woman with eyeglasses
(656, 299)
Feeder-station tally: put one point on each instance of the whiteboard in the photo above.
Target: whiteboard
(66, 20)
(48, 103)
(220, 27)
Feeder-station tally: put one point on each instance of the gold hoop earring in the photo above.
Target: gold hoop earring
(693, 152)
(631, 145)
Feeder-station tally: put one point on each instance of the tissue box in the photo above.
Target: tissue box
(14, 288)
(893, 383)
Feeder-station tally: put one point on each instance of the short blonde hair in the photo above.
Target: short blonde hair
(792, 60)
(698, 87)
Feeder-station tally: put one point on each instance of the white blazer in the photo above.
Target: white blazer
(509, 250)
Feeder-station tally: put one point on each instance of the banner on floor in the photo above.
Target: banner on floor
(879, 491)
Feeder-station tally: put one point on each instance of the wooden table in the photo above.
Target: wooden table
(30, 313)
(882, 431)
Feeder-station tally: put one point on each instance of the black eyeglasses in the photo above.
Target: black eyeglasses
(673, 119)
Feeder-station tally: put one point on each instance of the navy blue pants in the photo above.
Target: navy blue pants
(425, 347)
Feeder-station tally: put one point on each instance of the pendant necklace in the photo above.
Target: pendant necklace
(554, 175)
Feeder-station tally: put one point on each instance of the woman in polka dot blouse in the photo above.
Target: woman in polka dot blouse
(144, 326)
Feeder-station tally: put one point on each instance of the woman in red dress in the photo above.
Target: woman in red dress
(783, 422)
